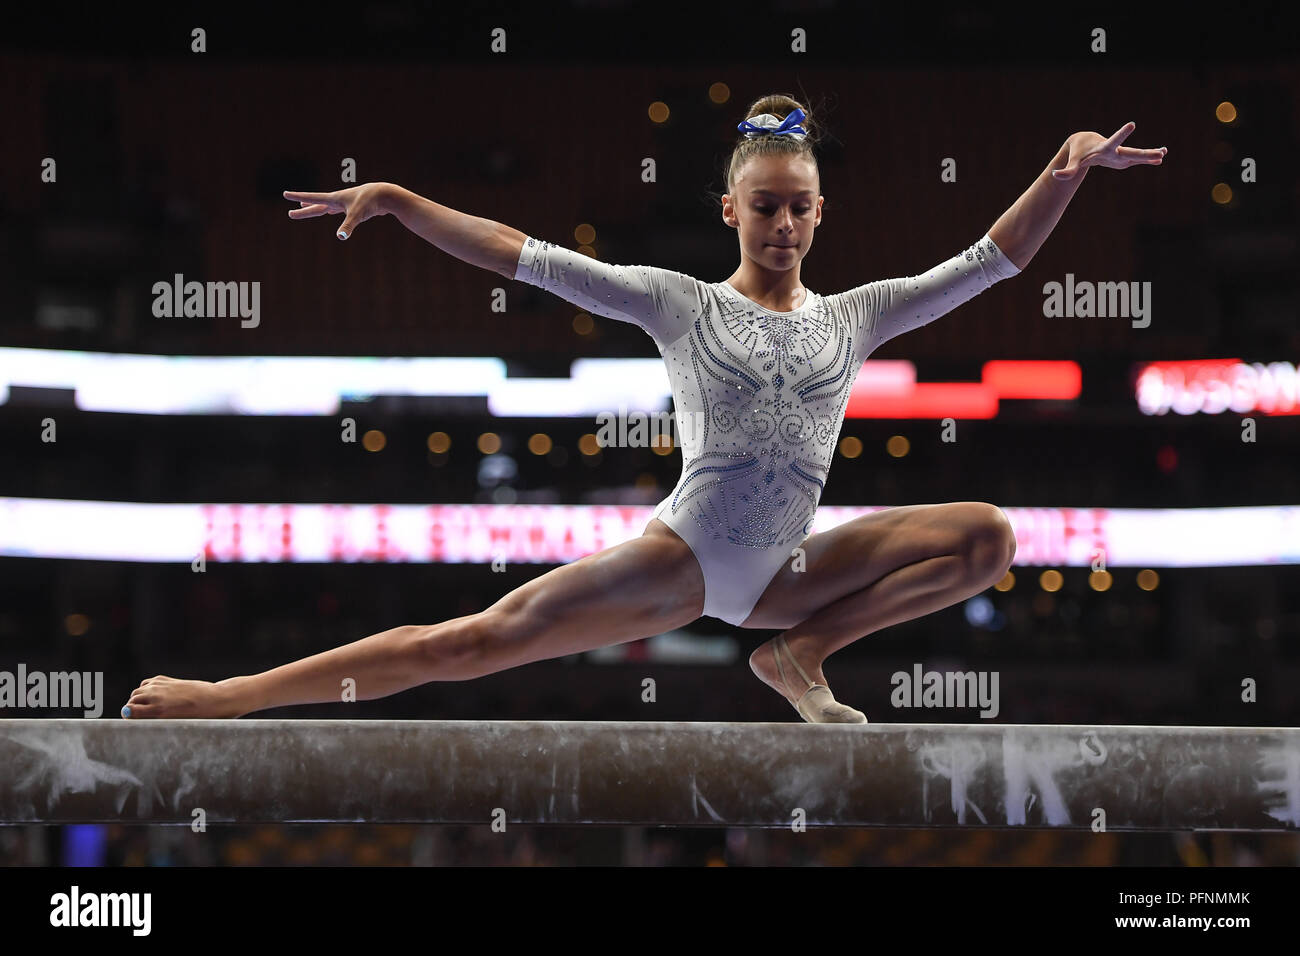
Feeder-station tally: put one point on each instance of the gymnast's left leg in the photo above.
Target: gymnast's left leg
(871, 572)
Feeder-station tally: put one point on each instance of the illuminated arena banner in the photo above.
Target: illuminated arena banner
(557, 534)
(1214, 386)
(305, 385)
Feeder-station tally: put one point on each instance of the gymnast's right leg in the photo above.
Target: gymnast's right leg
(637, 589)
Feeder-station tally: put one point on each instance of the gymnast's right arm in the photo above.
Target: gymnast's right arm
(661, 301)
(480, 242)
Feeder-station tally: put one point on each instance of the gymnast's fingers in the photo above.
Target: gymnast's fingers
(310, 212)
(350, 223)
(294, 195)
(1141, 155)
(1121, 134)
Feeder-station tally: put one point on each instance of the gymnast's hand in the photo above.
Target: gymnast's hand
(171, 698)
(358, 203)
(1093, 149)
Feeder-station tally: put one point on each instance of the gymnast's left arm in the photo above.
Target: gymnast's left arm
(883, 309)
(1021, 231)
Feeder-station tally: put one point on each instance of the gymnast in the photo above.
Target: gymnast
(766, 365)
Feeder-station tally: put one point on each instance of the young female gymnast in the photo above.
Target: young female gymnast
(766, 366)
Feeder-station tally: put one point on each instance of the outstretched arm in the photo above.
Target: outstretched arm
(480, 242)
(1021, 231)
(660, 301)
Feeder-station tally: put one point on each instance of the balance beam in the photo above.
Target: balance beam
(649, 773)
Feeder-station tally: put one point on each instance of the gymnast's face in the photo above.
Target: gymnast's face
(775, 206)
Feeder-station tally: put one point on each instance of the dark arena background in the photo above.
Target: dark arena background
(388, 436)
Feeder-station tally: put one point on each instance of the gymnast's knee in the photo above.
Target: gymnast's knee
(990, 542)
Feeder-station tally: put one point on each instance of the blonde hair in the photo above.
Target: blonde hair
(779, 105)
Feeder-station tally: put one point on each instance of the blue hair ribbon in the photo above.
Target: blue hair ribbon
(789, 126)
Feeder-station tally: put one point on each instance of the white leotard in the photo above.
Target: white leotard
(759, 395)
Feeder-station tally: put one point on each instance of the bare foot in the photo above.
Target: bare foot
(172, 698)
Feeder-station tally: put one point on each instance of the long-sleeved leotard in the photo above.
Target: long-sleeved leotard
(759, 395)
